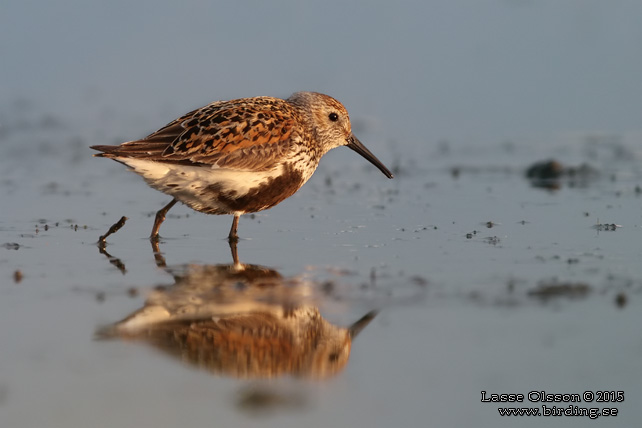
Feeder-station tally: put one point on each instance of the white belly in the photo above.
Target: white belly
(210, 189)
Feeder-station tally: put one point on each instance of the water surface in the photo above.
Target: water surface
(477, 279)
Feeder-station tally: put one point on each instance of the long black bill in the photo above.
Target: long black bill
(361, 323)
(358, 147)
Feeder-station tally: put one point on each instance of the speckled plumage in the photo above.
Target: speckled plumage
(240, 156)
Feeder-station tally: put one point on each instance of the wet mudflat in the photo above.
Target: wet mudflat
(504, 257)
(475, 280)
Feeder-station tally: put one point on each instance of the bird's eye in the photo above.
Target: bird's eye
(333, 117)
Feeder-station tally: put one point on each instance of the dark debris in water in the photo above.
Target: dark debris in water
(419, 281)
(551, 174)
(621, 300)
(100, 296)
(11, 245)
(492, 240)
(551, 290)
(545, 170)
(606, 227)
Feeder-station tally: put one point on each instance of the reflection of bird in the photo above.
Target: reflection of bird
(240, 156)
(241, 320)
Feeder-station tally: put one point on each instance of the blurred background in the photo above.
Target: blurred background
(483, 279)
(414, 71)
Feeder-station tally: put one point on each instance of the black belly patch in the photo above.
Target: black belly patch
(258, 198)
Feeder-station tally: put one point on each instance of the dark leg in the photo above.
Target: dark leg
(160, 217)
(233, 237)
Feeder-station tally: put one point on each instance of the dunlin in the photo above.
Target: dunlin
(240, 156)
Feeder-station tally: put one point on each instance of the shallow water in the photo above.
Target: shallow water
(541, 300)
(477, 279)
